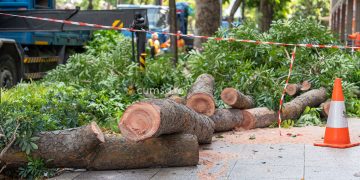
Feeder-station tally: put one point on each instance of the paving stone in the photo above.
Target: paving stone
(278, 155)
(331, 173)
(265, 171)
(138, 174)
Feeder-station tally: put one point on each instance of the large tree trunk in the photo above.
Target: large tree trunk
(236, 99)
(156, 117)
(63, 148)
(267, 14)
(116, 153)
(200, 96)
(169, 150)
(258, 118)
(294, 108)
(227, 119)
(207, 19)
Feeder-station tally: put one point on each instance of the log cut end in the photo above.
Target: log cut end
(229, 96)
(325, 108)
(140, 121)
(97, 131)
(201, 103)
(292, 89)
(305, 86)
(249, 121)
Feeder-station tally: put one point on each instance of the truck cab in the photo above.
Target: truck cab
(29, 47)
(28, 55)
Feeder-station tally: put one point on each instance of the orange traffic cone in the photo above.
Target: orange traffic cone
(337, 131)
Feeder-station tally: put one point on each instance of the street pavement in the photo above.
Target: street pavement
(225, 160)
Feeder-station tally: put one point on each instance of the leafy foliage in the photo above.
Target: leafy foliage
(261, 70)
(35, 168)
(310, 117)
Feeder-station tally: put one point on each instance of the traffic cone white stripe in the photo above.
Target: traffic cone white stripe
(337, 114)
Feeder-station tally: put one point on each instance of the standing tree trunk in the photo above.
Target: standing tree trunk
(147, 119)
(267, 14)
(90, 6)
(207, 19)
(233, 10)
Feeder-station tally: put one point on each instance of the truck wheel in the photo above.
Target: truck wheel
(8, 76)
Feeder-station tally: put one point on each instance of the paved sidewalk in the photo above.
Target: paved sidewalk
(228, 160)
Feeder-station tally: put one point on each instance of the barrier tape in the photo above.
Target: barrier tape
(284, 90)
(182, 35)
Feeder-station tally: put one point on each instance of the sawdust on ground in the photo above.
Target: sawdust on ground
(298, 135)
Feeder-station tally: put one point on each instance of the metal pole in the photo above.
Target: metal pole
(133, 46)
(173, 29)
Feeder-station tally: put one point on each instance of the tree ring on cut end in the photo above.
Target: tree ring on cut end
(201, 103)
(248, 122)
(229, 96)
(140, 121)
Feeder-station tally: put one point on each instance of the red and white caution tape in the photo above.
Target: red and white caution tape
(286, 84)
(182, 35)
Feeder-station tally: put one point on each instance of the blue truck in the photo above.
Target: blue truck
(29, 48)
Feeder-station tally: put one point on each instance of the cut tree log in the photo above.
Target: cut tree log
(293, 89)
(116, 153)
(236, 99)
(227, 119)
(264, 117)
(177, 99)
(305, 86)
(63, 148)
(312, 98)
(156, 117)
(165, 151)
(258, 118)
(325, 108)
(200, 95)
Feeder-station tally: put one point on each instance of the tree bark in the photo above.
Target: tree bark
(156, 117)
(227, 119)
(165, 151)
(178, 99)
(258, 118)
(294, 108)
(236, 99)
(267, 14)
(63, 148)
(293, 89)
(116, 153)
(200, 95)
(207, 19)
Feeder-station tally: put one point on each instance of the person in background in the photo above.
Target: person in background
(154, 45)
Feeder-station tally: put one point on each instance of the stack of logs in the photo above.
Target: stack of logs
(162, 132)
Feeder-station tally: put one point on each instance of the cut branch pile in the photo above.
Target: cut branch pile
(160, 132)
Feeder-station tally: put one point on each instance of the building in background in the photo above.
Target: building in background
(345, 18)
